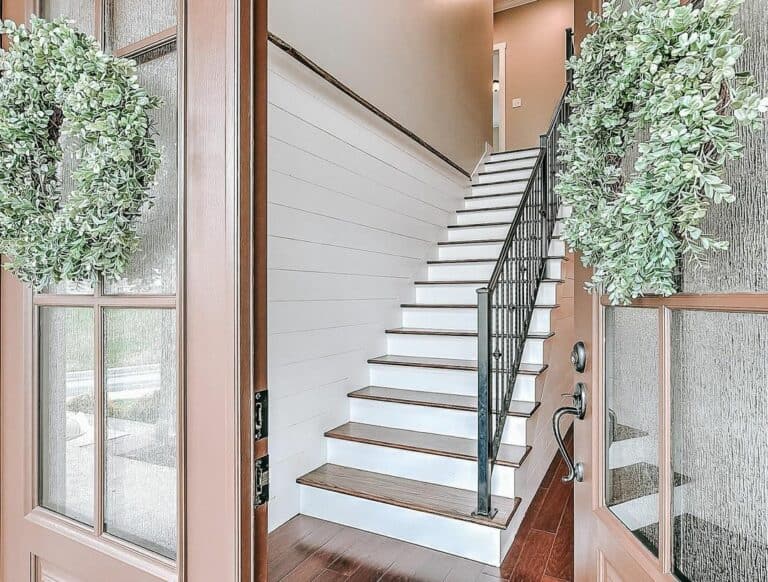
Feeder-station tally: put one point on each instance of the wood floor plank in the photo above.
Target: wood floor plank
(549, 516)
(424, 442)
(560, 564)
(435, 499)
(534, 557)
(283, 559)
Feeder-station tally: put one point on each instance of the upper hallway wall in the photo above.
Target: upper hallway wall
(427, 64)
(535, 37)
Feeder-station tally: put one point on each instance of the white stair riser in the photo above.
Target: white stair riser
(554, 269)
(473, 251)
(435, 469)
(521, 174)
(481, 271)
(478, 232)
(503, 188)
(461, 538)
(460, 271)
(509, 165)
(436, 294)
(541, 321)
(430, 419)
(440, 380)
(437, 318)
(557, 247)
(477, 202)
(505, 156)
(486, 216)
(559, 227)
(465, 294)
(565, 212)
(432, 346)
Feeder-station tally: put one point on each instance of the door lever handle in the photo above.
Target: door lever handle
(579, 410)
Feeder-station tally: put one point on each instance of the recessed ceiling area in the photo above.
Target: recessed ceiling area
(499, 5)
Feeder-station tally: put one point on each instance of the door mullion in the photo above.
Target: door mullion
(666, 510)
(100, 417)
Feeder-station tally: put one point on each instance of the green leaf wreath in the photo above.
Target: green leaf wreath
(657, 79)
(56, 87)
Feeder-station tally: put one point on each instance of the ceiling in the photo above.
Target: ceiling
(499, 5)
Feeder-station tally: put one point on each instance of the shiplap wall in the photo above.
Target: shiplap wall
(355, 209)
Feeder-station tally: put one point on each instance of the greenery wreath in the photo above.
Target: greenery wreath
(655, 83)
(57, 87)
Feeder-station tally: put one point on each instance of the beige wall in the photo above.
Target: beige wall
(425, 63)
(535, 37)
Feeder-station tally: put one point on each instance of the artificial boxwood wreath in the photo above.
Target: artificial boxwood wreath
(667, 72)
(55, 86)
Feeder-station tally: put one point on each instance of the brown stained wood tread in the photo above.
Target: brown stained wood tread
(455, 332)
(480, 283)
(484, 196)
(464, 306)
(410, 494)
(425, 442)
(448, 364)
(518, 408)
(492, 172)
(488, 209)
(486, 241)
(460, 261)
(480, 224)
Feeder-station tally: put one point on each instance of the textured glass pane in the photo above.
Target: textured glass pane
(66, 411)
(81, 11)
(129, 21)
(141, 420)
(153, 267)
(719, 418)
(745, 222)
(632, 422)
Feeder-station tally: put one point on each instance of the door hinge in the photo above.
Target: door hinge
(260, 415)
(261, 481)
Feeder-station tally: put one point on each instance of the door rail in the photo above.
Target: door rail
(506, 304)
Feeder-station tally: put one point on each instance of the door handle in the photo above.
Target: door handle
(579, 410)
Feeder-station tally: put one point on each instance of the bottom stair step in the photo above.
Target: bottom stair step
(409, 494)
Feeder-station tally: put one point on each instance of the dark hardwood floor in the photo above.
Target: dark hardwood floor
(306, 549)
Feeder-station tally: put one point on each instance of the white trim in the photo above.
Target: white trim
(501, 48)
(501, 5)
(487, 152)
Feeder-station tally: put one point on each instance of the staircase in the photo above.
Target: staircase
(405, 466)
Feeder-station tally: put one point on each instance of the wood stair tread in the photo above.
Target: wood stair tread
(425, 442)
(487, 209)
(519, 408)
(471, 242)
(455, 332)
(410, 494)
(447, 363)
(476, 282)
(464, 306)
(492, 172)
(477, 225)
(459, 261)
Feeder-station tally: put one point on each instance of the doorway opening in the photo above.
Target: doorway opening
(499, 96)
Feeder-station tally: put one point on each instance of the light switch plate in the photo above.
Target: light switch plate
(517, 102)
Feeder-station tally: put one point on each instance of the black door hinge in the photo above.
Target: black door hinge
(260, 415)
(261, 481)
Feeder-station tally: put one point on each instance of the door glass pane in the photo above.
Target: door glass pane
(719, 418)
(632, 419)
(66, 411)
(141, 420)
(745, 222)
(152, 269)
(81, 11)
(129, 21)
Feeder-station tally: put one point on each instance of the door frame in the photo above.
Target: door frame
(222, 142)
(501, 48)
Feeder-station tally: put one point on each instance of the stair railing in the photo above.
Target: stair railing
(505, 306)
